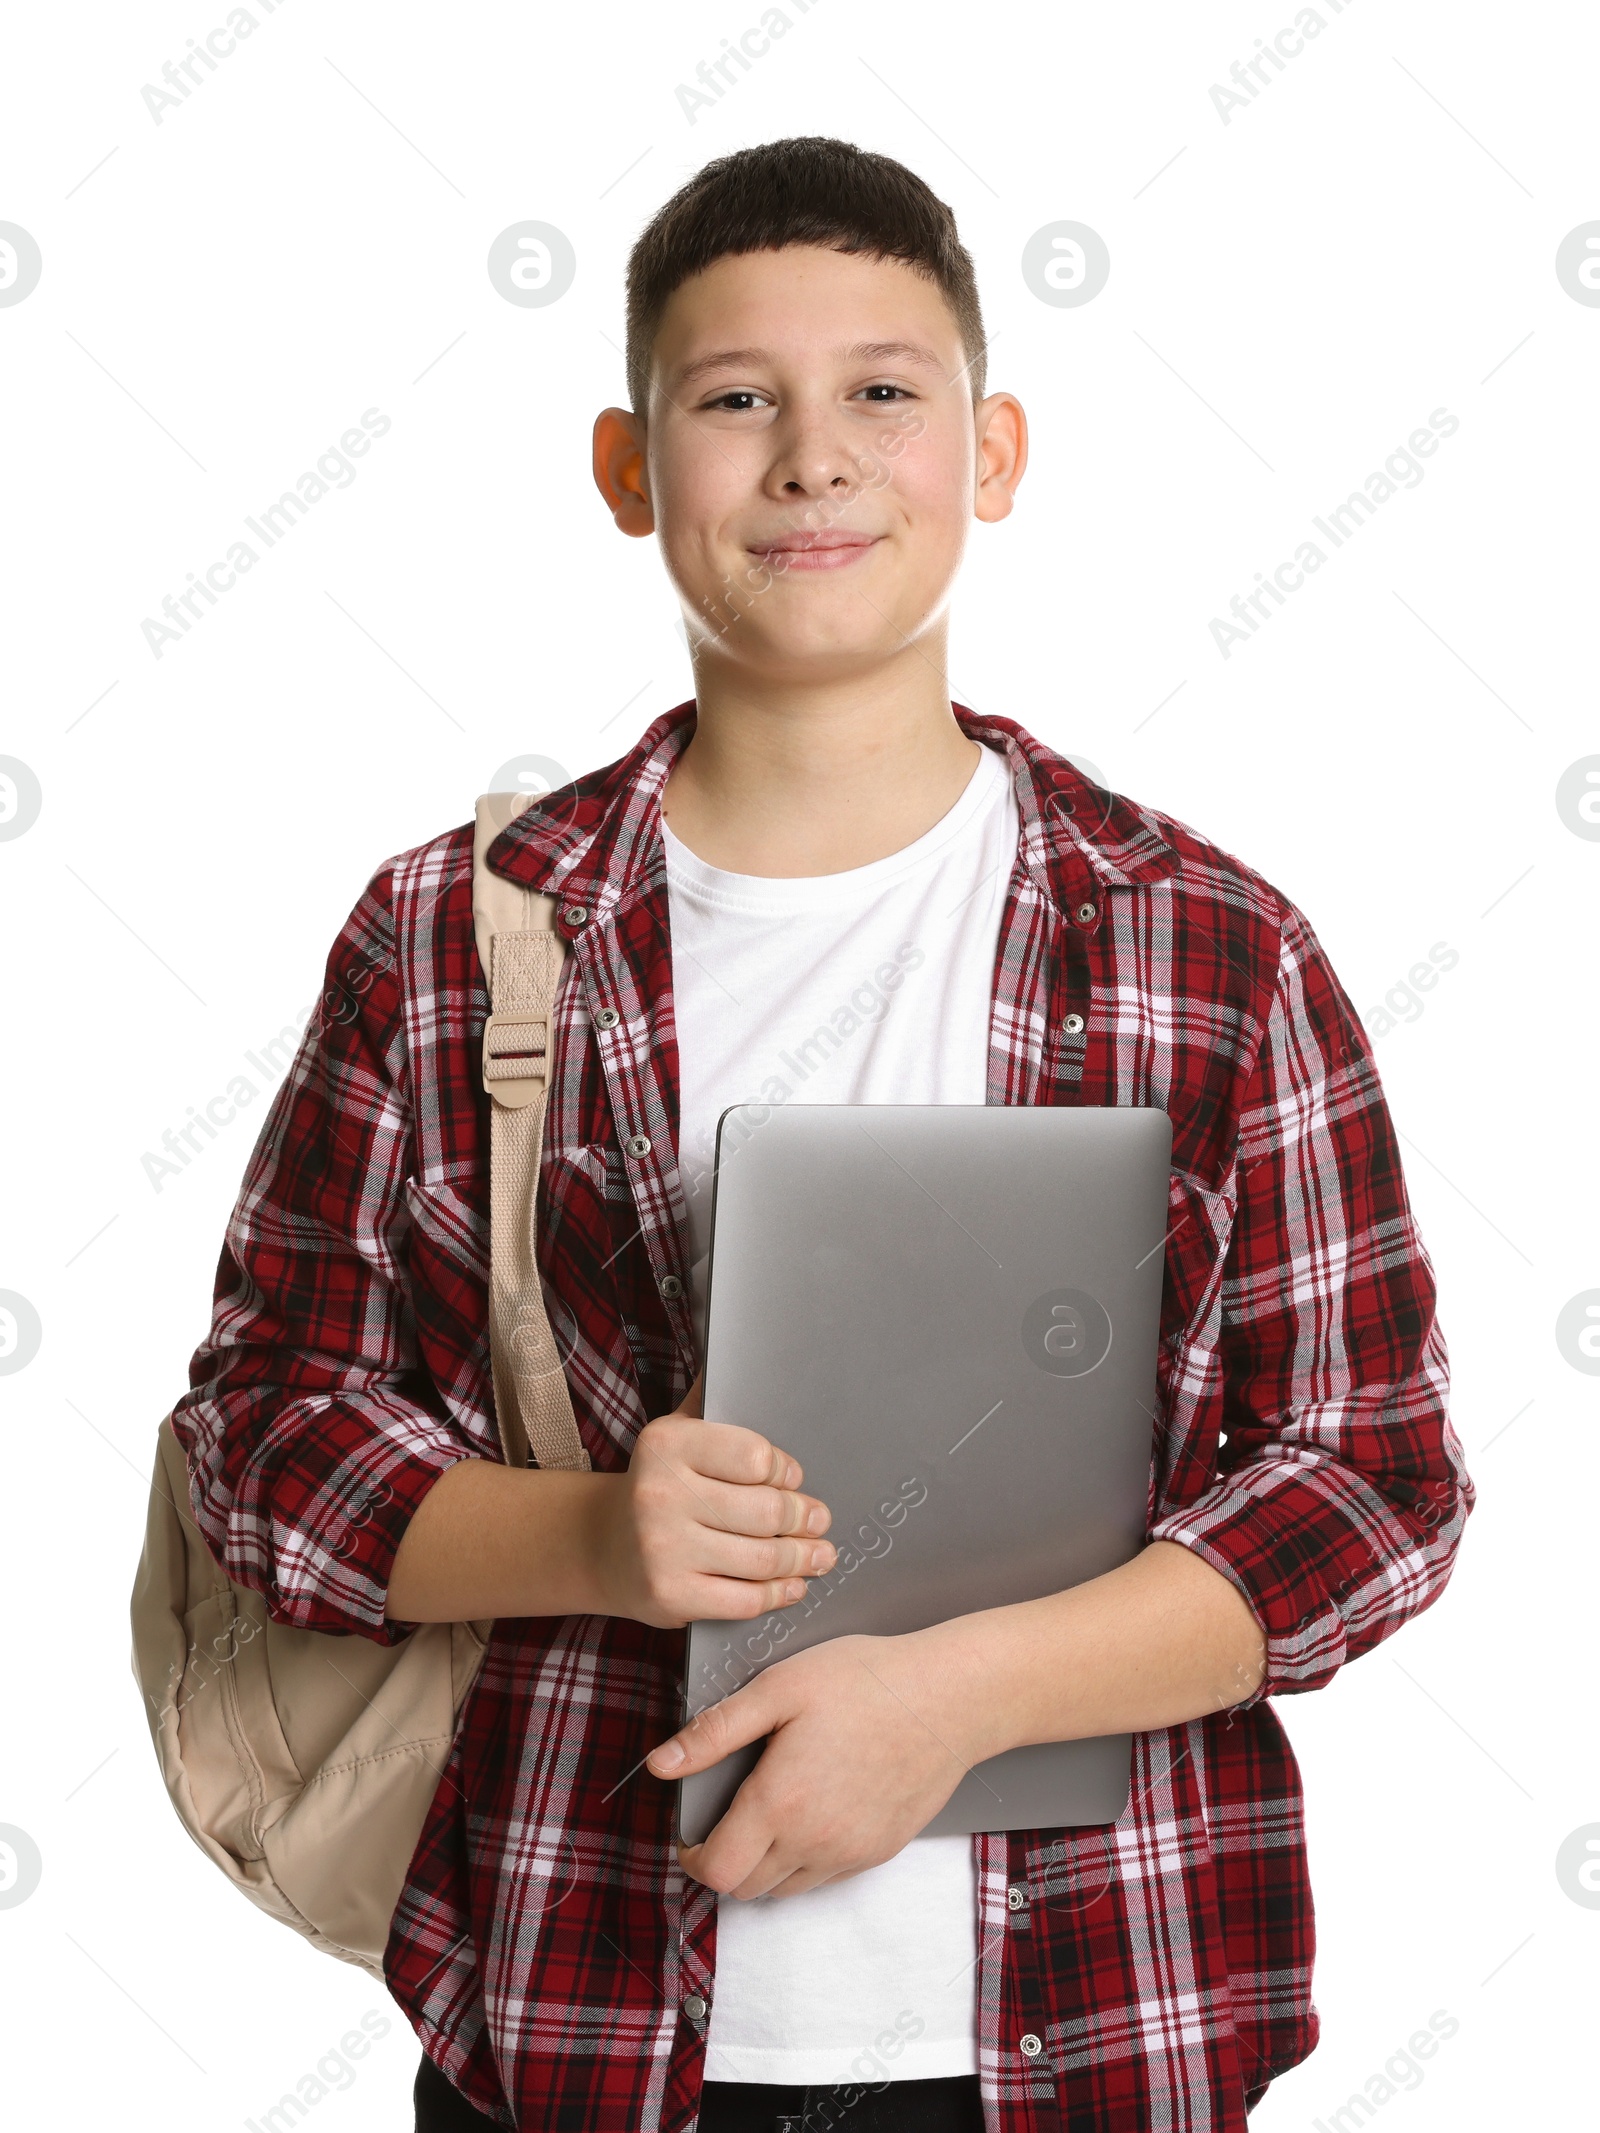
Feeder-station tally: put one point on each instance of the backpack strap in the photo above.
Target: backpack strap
(521, 954)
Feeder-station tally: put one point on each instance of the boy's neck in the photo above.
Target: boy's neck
(792, 779)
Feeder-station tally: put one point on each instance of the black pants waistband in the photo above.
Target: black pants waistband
(948, 2105)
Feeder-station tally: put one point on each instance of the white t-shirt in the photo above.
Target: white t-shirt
(871, 986)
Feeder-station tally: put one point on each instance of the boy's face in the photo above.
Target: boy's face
(811, 460)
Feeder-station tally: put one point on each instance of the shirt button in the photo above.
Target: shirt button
(694, 2007)
(1084, 913)
(1016, 1897)
(606, 1018)
(671, 1287)
(1030, 2045)
(1072, 1025)
(576, 914)
(637, 1144)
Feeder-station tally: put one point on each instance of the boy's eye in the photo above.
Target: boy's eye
(744, 399)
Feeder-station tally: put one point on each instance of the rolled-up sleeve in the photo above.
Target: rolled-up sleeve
(1341, 1490)
(311, 1430)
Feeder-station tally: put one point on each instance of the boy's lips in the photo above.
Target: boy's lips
(814, 551)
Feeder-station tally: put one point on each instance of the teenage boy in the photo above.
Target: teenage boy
(809, 441)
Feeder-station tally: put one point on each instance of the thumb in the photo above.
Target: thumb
(713, 1733)
(693, 1401)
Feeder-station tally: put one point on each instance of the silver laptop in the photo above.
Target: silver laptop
(949, 1315)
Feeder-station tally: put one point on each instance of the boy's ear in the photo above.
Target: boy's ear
(1002, 430)
(619, 470)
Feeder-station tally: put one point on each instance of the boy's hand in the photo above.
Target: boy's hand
(863, 1753)
(710, 1524)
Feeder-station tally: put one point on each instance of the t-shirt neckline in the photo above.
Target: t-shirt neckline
(796, 892)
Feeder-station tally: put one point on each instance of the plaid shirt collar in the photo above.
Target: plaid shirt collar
(595, 845)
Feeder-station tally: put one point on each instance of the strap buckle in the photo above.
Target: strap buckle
(515, 1056)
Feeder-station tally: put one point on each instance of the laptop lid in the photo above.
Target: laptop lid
(949, 1315)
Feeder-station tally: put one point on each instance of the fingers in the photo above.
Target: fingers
(743, 1856)
(740, 1482)
(763, 1513)
(743, 1872)
(722, 1507)
(763, 1560)
(731, 1599)
(716, 1527)
(729, 1452)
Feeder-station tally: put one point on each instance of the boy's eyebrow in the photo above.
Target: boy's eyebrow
(858, 352)
(891, 351)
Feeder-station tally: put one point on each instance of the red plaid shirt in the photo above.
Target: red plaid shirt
(547, 1946)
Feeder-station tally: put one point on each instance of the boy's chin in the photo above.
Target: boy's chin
(818, 635)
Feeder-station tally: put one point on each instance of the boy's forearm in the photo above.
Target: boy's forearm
(495, 1540)
(1162, 1639)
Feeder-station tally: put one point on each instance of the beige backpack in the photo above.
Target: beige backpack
(304, 1764)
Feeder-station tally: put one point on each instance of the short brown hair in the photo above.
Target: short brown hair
(809, 190)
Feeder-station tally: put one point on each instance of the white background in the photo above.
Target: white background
(1291, 294)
